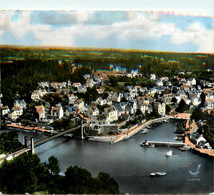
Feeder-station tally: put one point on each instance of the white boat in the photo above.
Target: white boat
(157, 174)
(185, 148)
(152, 174)
(169, 153)
(151, 145)
(145, 131)
(160, 173)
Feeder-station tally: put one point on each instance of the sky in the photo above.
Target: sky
(187, 26)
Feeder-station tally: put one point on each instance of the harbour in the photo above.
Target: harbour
(130, 165)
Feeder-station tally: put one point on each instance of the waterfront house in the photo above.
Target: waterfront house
(41, 112)
(198, 139)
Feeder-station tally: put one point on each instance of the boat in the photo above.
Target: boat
(157, 174)
(185, 148)
(152, 174)
(169, 153)
(145, 131)
(160, 173)
(151, 145)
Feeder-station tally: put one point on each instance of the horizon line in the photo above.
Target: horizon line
(95, 48)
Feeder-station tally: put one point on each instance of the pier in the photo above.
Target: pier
(167, 144)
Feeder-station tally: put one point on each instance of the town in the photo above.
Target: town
(112, 103)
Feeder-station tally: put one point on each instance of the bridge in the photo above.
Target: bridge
(40, 142)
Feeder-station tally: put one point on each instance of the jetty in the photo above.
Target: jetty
(167, 144)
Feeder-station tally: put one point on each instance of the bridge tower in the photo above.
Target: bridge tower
(25, 141)
(32, 145)
(82, 136)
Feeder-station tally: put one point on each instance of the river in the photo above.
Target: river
(130, 165)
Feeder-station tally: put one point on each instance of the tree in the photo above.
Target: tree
(182, 106)
(53, 165)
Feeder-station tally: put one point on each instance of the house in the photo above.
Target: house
(120, 108)
(76, 85)
(100, 101)
(209, 104)
(100, 91)
(20, 103)
(71, 98)
(79, 103)
(145, 107)
(167, 98)
(41, 112)
(56, 85)
(152, 77)
(42, 92)
(57, 111)
(43, 84)
(5, 110)
(159, 108)
(194, 99)
(92, 110)
(117, 96)
(82, 89)
(15, 112)
(35, 95)
(111, 114)
(197, 138)
(70, 110)
(104, 128)
(133, 105)
(90, 82)
(159, 83)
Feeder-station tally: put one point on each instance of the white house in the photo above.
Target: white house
(5, 110)
(152, 77)
(57, 111)
(92, 110)
(117, 97)
(160, 108)
(15, 113)
(111, 114)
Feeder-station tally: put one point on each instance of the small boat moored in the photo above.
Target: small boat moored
(157, 174)
(160, 173)
(169, 153)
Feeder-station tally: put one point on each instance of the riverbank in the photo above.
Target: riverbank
(127, 134)
(192, 127)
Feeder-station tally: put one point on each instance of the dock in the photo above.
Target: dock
(167, 144)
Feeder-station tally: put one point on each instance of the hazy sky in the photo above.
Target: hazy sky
(158, 25)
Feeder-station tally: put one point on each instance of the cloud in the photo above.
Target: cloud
(68, 27)
(21, 26)
(5, 20)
